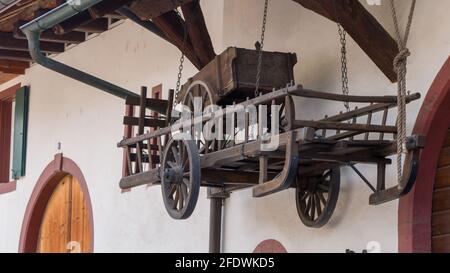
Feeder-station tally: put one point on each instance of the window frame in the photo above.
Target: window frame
(7, 97)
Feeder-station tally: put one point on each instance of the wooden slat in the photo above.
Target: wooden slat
(441, 244)
(149, 9)
(444, 157)
(134, 121)
(73, 37)
(159, 104)
(442, 178)
(13, 67)
(198, 32)
(145, 159)
(96, 26)
(54, 230)
(7, 41)
(441, 200)
(344, 126)
(14, 55)
(173, 28)
(441, 223)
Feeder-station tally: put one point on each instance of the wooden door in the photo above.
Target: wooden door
(66, 224)
(441, 202)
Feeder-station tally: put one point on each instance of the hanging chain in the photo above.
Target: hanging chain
(344, 70)
(180, 67)
(259, 47)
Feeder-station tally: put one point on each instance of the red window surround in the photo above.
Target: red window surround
(6, 100)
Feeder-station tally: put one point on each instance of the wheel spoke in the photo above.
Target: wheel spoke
(172, 190)
(171, 164)
(323, 187)
(175, 200)
(318, 205)
(308, 205)
(181, 201)
(322, 199)
(175, 154)
(313, 206)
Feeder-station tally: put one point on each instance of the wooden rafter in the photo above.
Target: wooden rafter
(172, 26)
(365, 30)
(198, 32)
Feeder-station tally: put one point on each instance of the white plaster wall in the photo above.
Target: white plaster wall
(88, 125)
(292, 28)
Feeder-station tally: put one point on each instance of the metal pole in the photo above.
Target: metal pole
(215, 224)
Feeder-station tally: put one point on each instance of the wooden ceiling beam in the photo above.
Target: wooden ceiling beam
(95, 26)
(7, 41)
(73, 22)
(14, 55)
(365, 30)
(13, 67)
(149, 9)
(173, 28)
(105, 8)
(73, 37)
(198, 32)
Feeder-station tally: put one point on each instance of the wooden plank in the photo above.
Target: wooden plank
(13, 67)
(344, 126)
(54, 230)
(80, 222)
(173, 28)
(95, 26)
(441, 223)
(73, 22)
(157, 104)
(134, 121)
(441, 244)
(441, 200)
(149, 9)
(106, 7)
(444, 157)
(73, 37)
(14, 55)
(7, 41)
(198, 32)
(442, 177)
(308, 93)
(365, 30)
(145, 159)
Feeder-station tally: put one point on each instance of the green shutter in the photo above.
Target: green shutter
(20, 132)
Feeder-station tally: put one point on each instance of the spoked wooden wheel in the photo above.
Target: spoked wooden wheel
(180, 177)
(198, 96)
(316, 197)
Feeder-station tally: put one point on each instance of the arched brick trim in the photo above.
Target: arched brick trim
(414, 215)
(49, 179)
(270, 246)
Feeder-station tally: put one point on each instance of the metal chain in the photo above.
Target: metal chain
(344, 70)
(180, 67)
(259, 47)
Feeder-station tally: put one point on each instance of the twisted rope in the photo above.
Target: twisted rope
(400, 66)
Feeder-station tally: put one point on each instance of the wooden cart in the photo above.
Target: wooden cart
(307, 155)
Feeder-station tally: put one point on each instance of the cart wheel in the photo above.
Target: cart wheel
(180, 177)
(316, 197)
(198, 95)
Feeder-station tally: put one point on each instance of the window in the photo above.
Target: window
(13, 135)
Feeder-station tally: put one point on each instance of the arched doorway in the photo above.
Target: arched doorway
(418, 224)
(58, 217)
